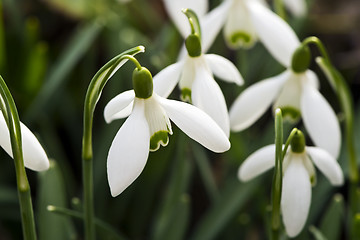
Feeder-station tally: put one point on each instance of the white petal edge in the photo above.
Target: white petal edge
(174, 7)
(224, 69)
(207, 95)
(327, 164)
(212, 23)
(129, 150)
(296, 197)
(119, 106)
(166, 80)
(320, 121)
(276, 35)
(196, 124)
(253, 101)
(34, 155)
(257, 163)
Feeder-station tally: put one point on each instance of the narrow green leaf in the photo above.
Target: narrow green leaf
(179, 180)
(333, 220)
(52, 192)
(317, 233)
(205, 171)
(75, 50)
(233, 198)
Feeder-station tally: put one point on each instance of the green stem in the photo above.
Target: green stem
(193, 20)
(12, 120)
(92, 96)
(277, 179)
(76, 214)
(288, 141)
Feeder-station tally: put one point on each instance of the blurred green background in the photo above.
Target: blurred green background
(50, 50)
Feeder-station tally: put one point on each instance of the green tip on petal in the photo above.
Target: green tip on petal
(240, 39)
(291, 114)
(186, 95)
(298, 142)
(142, 83)
(301, 59)
(159, 138)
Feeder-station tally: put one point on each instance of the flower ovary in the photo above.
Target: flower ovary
(301, 59)
(298, 142)
(193, 45)
(142, 83)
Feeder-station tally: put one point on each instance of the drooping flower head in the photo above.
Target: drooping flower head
(194, 73)
(147, 128)
(295, 90)
(298, 176)
(34, 155)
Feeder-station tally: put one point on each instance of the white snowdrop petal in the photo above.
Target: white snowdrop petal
(207, 95)
(257, 163)
(166, 80)
(119, 106)
(129, 150)
(277, 36)
(34, 155)
(253, 101)
(174, 7)
(212, 23)
(327, 164)
(296, 196)
(320, 120)
(224, 69)
(196, 124)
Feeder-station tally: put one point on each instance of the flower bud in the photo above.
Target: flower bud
(301, 59)
(193, 45)
(142, 83)
(298, 142)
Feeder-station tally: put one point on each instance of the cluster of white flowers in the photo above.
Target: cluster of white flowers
(208, 121)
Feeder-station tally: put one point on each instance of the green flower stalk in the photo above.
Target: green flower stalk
(92, 96)
(22, 145)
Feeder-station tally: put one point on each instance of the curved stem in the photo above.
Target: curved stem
(92, 96)
(11, 116)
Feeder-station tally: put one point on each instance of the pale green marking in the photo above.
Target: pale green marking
(186, 95)
(159, 138)
(238, 38)
(291, 113)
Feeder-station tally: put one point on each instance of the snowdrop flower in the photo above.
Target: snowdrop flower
(194, 73)
(295, 90)
(148, 126)
(298, 176)
(33, 154)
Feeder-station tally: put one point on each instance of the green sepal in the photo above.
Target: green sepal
(159, 138)
(193, 45)
(186, 95)
(301, 59)
(142, 83)
(298, 142)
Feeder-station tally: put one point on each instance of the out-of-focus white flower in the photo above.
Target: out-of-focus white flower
(34, 155)
(299, 174)
(148, 126)
(295, 90)
(194, 73)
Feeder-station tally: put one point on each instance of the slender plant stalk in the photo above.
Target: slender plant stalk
(12, 120)
(277, 179)
(92, 96)
(341, 88)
